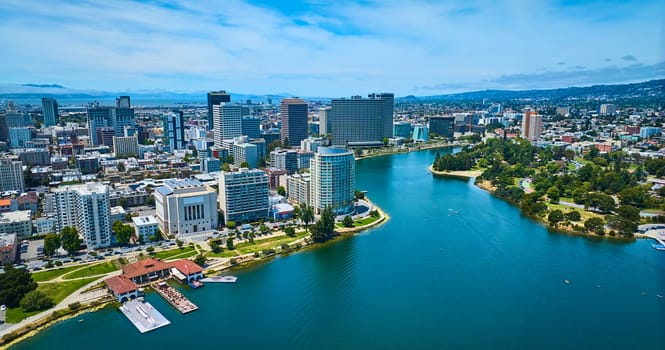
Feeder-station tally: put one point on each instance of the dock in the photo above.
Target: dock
(144, 317)
(220, 279)
(174, 297)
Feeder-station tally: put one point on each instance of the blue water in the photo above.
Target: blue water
(487, 277)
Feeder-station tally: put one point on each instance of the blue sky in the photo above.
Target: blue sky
(331, 48)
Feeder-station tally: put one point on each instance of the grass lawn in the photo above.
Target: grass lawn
(272, 242)
(362, 222)
(177, 252)
(223, 254)
(583, 213)
(42, 276)
(57, 291)
(92, 270)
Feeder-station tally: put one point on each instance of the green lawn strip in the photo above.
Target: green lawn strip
(365, 221)
(92, 270)
(167, 254)
(58, 291)
(583, 213)
(272, 242)
(42, 276)
(223, 254)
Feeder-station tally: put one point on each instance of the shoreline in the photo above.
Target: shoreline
(244, 262)
(408, 150)
(465, 174)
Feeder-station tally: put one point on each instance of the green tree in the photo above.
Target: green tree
(573, 215)
(35, 301)
(123, 232)
(306, 215)
(348, 221)
(179, 243)
(69, 237)
(156, 237)
(51, 244)
(360, 194)
(290, 231)
(281, 191)
(553, 194)
(555, 217)
(323, 228)
(214, 246)
(595, 224)
(229, 243)
(244, 165)
(200, 260)
(231, 225)
(14, 284)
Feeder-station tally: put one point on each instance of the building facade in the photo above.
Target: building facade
(11, 175)
(443, 126)
(333, 180)
(298, 188)
(174, 131)
(243, 195)
(358, 122)
(294, 121)
(285, 159)
(145, 226)
(185, 206)
(50, 111)
(16, 222)
(85, 207)
(126, 145)
(532, 125)
(215, 98)
(227, 122)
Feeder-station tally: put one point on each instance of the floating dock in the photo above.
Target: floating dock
(144, 317)
(174, 297)
(220, 279)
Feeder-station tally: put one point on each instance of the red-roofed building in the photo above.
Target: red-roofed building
(189, 269)
(122, 288)
(146, 270)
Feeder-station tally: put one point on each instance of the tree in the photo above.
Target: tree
(122, 202)
(290, 231)
(385, 141)
(51, 244)
(360, 194)
(157, 236)
(150, 250)
(555, 217)
(69, 237)
(553, 194)
(595, 224)
(306, 215)
(123, 232)
(244, 165)
(150, 201)
(35, 301)
(121, 167)
(281, 191)
(231, 225)
(200, 260)
(179, 243)
(214, 246)
(348, 221)
(628, 212)
(323, 228)
(573, 215)
(229, 243)
(14, 284)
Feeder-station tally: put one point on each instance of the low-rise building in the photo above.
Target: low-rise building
(122, 288)
(8, 248)
(16, 222)
(146, 270)
(117, 214)
(45, 225)
(185, 206)
(145, 226)
(187, 270)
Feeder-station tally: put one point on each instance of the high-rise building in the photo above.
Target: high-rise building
(251, 127)
(324, 121)
(402, 129)
(11, 175)
(11, 118)
(117, 118)
(420, 133)
(532, 125)
(244, 152)
(98, 117)
(122, 115)
(105, 136)
(227, 122)
(50, 108)
(243, 195)
(85, 207)
(174, 130)
(285, 159)
(215, 98)
(294, 121)
(298, 188)
(18, 136)
(185, 206)
(128, 146)
(358, 122)
(443, 126)
(607, 109)
(333, 180)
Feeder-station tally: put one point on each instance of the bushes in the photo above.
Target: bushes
(35, 301)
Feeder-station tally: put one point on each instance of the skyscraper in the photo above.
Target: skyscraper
(294, 121)
(243, 195)
(251, 127)
(362, 122)
(333, 180)
(50, 106)
(174, 130)
(227, 122)
(122, 115)
(87, 208)
(215, 98)
(11, 175)
(442, 125)
(324, 121)
(98, 117)
(532, 125)
(117, 118)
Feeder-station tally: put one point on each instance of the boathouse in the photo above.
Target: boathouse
(188, 270)
(146, 270)
(122, 288)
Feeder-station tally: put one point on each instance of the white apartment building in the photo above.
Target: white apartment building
(85, 207)
(243, 195)
(333, 179)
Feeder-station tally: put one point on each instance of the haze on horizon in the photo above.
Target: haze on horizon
(323, 48)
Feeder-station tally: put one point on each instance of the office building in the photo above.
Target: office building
(11, 175)
(358, 122)
(50, 111)
(185, 206)
(116, 118)
(324, 121)
(333, 180)
(312, 143)
(304, 158)
(174, 131)
(243, 195)
(126, 146)
(294, 121)
(244, 152)
(420, 133)
(105, 136)
(215, 98)
(18, 136)
(145, 226)
(648, 131)
(443, 126)
(251, 127)
(122, 115)
(285, 159)
(227, 122)
(16, 222)
(607, 109)
(85, 207)
(402, 129)
(532, 125)
(11, 118)
(298, 188)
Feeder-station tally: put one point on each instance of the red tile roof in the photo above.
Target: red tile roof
(120, 285)
(144, 267)
(187, 267)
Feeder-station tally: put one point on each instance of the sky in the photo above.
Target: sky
(331, 48)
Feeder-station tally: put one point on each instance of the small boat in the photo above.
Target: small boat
(658, 247)
(659, 296)
(566, 281)
(81, 320)
(220, 279)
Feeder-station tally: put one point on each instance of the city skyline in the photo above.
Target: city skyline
(309, 48)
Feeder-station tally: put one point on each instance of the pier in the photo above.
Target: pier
(144, 317)
(174, 297)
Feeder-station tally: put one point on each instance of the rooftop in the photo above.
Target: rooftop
(144, 220)
(15, 216)
(187, 267)
(120, 285)
(144, 267)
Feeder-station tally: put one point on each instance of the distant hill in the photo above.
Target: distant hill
(647, 89)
